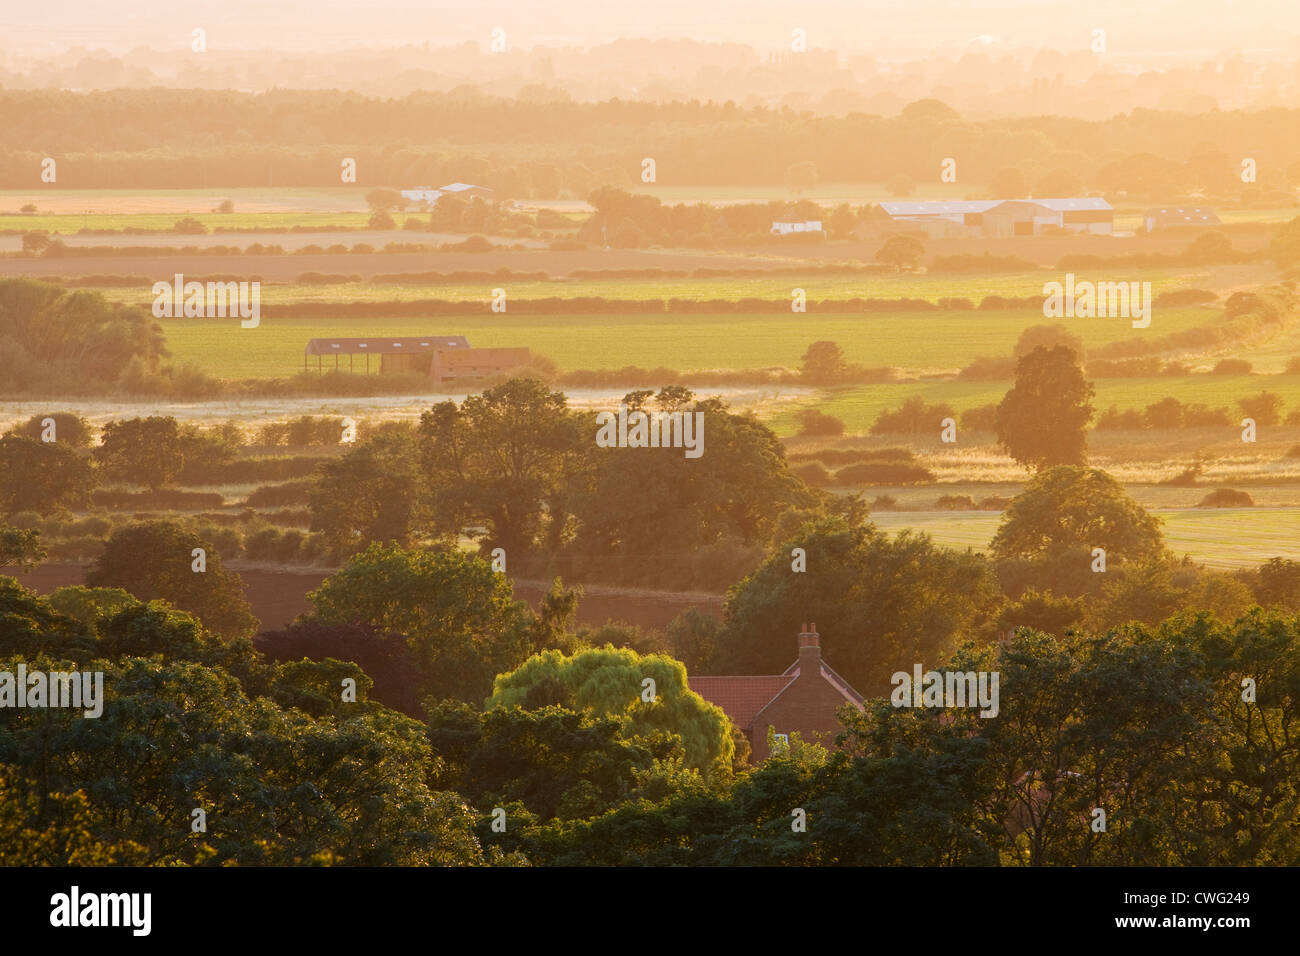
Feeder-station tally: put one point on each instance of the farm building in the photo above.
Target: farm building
(804, 698)
(428, 195)
(1171, 217)
(940, 219)
(466, 190)
(1033, 217)
(451, 365)
(424, 194)
(444, 358)
(994, 217)
(791, 223)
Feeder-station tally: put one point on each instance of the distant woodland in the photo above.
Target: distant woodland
(546, 149)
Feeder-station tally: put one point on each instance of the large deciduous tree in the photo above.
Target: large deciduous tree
(142, 451)
(613, 682)
(881, 604)
(42, 477)
(459, 616)
(157, 559)
(1042, 421)
(506, 459)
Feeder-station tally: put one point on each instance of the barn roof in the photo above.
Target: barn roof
(385, 346)
(1183, 214)
(1079, 202)
(937, 208)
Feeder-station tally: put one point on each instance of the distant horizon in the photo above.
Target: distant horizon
(1181, 28)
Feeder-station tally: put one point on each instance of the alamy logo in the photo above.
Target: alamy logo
(946, 689)
(103, 909)
(652, 430)
(1087, 300)
(82, 690)
(213, 300)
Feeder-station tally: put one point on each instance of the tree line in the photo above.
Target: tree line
(529, 149)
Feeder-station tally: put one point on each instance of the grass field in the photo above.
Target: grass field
(1224, 538)
(917, 340)
(70, 223)
(923, 286)
(268, 199)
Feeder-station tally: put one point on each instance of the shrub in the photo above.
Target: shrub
(306, 431)
(914, 416)
(981, 419)
(812, 473)
(70, 429)
(848, 456)
(884, 503)
(1265, 408)
(883, 473)
(1112, 419)
(1226, 498)
(1196, 415)
(813, 423)
(989, 368)
(1232, 366)
(287, 493)
(955, 503)
(161, 499)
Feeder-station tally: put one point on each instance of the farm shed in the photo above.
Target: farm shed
(397, 354)
(443, 358)
(1171, 217)
(1032, 217)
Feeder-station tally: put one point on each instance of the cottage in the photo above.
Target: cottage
(805, 698)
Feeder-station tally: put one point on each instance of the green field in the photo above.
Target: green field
(53, 199)
(684, 342)
(928, 287)
(1224, 538)
(162, 222)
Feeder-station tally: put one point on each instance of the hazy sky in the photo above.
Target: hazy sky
(1134, 27)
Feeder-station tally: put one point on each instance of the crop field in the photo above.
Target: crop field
(683, 342)
(307, 199)
(1222, 538)
(928, 287)
(70, 223)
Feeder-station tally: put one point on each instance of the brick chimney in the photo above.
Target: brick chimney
(810, 652)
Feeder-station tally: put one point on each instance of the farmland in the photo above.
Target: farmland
(1223, 538)
(773, 288)
(944, 340)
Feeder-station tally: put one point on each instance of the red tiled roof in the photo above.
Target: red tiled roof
(740, 697)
